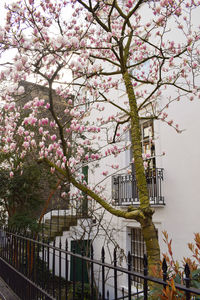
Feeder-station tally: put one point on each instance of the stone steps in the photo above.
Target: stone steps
(57, 225)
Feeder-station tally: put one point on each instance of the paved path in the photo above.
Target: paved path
(5, 292)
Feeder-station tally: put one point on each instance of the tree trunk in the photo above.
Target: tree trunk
(151, 240)
(148, 229)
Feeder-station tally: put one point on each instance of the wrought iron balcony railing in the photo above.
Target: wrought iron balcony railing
(125, 191)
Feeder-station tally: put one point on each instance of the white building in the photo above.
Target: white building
(174, 188)
(173, 181)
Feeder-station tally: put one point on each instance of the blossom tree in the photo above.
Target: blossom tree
(148, 49)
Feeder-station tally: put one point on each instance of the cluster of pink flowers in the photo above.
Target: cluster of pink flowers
(155, 61)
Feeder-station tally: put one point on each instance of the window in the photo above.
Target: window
(84, 202)
(148, 148)
(86, 100)
(138, 249)
(147, 137)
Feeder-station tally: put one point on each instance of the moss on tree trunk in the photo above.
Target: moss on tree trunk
(147, 226)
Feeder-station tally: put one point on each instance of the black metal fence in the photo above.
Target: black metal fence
(37, 270)
(125, 191)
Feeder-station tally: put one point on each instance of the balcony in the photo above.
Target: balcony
(125, 191)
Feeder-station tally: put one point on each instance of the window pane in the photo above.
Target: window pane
(138, 250)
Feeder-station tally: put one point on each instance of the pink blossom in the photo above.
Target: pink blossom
(20, 90)
(41, 130)
(22, 154)
(52, 170)
(50, 148)
(25, 145)
(59, 152)
(33, 121)
(20, 130)
(45, 121)
(58, 163)
(145, 164)
(170, 122)
(52, 124)
(53, 137)
(12, 146)
(105, 173)
(33, 143)
(194, 65)
(115, 166)
(41, 144)
(11, 174)
(82, 128)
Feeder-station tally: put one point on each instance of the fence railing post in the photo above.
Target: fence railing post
(82, 273)
(145, 280)
(58, 220)
(164, 270)
(50, 227)
(60, 269)
(33, 260)
(38, 258)
(43, 279)
(26, 257)
(48, 265)
(103, 273)
(123, 293)
(115, 272)
(129, 276)
(187, 280)
(74, 273)
(53, 269)
(66, 270)
(92, 272)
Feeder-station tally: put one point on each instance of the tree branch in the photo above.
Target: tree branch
(132, 213)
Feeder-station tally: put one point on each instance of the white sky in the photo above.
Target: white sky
(196, 13)
(6, 57)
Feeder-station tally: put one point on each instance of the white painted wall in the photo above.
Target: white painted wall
(180, 216)
(181, 163)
